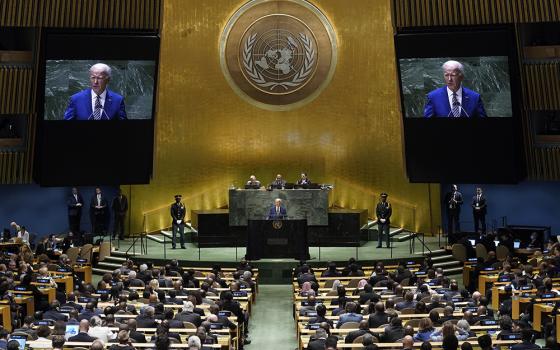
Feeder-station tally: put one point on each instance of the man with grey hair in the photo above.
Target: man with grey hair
(317, 341)
(454, 100)
(194, 343)
(146, 318)
(97, 102)
(188, 314)
(278, 211)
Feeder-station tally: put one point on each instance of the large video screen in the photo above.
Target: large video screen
(125, 89)
(459, 90)
(96, 99)
(456, 87)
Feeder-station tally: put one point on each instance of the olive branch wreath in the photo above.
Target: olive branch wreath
(259, 79)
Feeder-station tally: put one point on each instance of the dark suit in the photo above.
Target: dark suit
(191, 317)
(98, 215)
(137, 337)
(525, 346)
(383, 211)
(143, 321)
(74, 212)
(178, 212)
(316, 344)
(453, 202)
(86, 315)
(378, 319)
(278, 184)
(80, 106)
(277, 213)
(355, 334)
(392, 334)
(120, 208)
(437, 104)
(479, 213)
(82, 337)
(54, 315)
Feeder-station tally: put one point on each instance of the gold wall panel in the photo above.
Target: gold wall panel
(208, 138)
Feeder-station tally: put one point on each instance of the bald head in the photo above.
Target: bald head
(408, 342)
(84, 326)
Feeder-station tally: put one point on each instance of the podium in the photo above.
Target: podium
(277, 239)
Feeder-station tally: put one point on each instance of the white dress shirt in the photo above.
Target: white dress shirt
(101, 333)
(101, 99)
(459, 97)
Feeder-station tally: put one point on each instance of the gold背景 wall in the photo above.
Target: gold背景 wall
(208, 138)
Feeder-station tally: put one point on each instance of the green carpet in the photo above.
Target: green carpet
(272, 325)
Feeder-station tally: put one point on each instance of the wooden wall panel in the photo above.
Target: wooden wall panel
(424, 13)
(115, 14)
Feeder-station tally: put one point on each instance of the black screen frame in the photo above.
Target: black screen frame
(491, 148)
(86, 153)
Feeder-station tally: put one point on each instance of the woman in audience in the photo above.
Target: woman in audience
(162, 342)
(425, 330)
(194, 343)
(59, 329)
(434, 317)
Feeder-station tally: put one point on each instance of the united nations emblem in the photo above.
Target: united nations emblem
(278, 54)
(277, 224)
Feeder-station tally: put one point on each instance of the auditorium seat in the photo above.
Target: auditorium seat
(502, 252)
(481, 251)
(459, 252)
(73, 253)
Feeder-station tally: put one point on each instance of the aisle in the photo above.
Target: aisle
(272, 325)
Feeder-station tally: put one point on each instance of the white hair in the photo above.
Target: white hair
(454, 65)
(464, 325)
(143, 267)
(101, 67)
(132, 275)
(194, 342)
(188, 306)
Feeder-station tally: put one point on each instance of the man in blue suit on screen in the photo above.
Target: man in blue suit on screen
(97, 103)
(454, 100)
(277, 212)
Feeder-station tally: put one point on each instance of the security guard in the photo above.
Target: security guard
(383, 212)
(178, 211)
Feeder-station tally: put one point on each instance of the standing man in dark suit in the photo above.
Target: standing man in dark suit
(178, 213)
(383, 212)
(75, 204)
(278, 211)
(98, 212)
(120, 208)
(453, 202)
(479, 211)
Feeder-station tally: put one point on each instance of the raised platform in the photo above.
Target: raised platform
(274, 270)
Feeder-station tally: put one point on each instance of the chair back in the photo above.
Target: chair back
(353, 283)
(502, 252)
(405, 282)
(408, 311)
(73, 253)
(481, 251)
(350, 325)
(358, 340)
(328, 284)
(189, 325)
(459, 252)
(414, 322)
(85, 253)
(439, 309)
(104, 250)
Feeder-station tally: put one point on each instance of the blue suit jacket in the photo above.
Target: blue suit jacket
(79, 107)
(437, 104)
(273, 216)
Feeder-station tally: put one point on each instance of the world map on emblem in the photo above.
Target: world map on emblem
(278, 55)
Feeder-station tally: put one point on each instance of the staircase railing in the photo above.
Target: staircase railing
(422, 239)
(143, 244)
